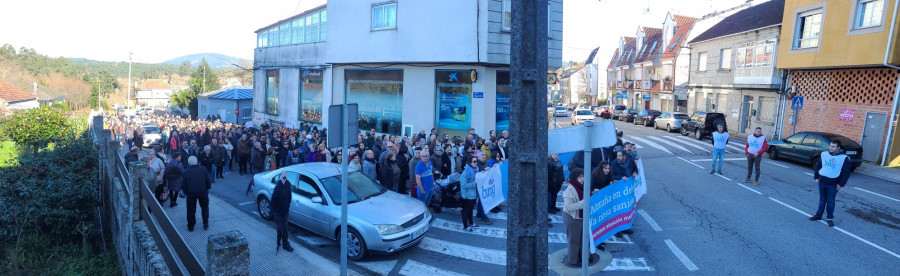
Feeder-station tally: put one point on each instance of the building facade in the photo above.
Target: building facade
(234, 104)
(446, 69)
(153, 93)
(842, 58)
(13, 98)
(734, 69)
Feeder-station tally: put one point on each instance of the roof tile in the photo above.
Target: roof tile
(12, 93)
(755, 17)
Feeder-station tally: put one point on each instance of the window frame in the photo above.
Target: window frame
(504, 5)
(853, 27)
(821, 8)
(702, 59)
(799, 39)
(246, 112)
(382, 5)
(277, 76)
(725, 64)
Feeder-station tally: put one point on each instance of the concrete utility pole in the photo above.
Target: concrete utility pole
(128, 95)
(526, 246)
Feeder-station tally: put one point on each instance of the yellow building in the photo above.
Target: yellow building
(842, 58)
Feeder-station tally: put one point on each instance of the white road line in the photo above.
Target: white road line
(874, 193)
(557, 219)
(751, 189)
(841, 230)
(649, 220)
(684, 259)
(492, 232)
(776, 164)
(723, 177)
(791, 207)
(635, 145)
(456, 250)
(867, 242)
(652, 144)
(381, 267)
(809, 174)
(689, 162)
(689, 144)
(628, 264)
(723, 159)
(416, 268)
(245, 203)
(674, 145)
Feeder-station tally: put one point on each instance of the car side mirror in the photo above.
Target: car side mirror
(317, 199)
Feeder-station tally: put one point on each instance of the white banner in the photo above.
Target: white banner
(640, 183)
(490, 187)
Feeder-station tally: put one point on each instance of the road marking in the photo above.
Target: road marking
(689, 162)
(840, 229)
(776, 164)
(245, 203)
(674, 145)
(316, 240)
(381, 267)
(684, 259)
(732, 146)
(649, 220)
(628, 264)
(652, 144)
(635, 145)
(751, 189)
(456, 250)
(689, 144)
(557, 219)
(809, 174)
(723, 159)
(874, 193)
(492, 232)
(416, 268)
(722, 176)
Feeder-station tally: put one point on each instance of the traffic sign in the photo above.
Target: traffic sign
(797, 103)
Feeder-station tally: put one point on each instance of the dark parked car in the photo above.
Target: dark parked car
(618, 110)
(628, 115)
(702, 124)
(646, 117)
(805, 147)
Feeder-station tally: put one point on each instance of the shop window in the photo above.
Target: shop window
(272, 92)
(379, 94)
(502, 101)
(311, 96)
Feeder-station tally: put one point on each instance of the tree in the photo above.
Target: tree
(185, 68)
(37, 127)
(203, 80)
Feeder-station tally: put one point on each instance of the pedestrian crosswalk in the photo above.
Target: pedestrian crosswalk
(679, 145)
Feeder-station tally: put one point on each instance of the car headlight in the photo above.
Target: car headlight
(388, 229)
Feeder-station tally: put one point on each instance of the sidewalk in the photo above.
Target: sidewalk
(884, 173)
(261, 238)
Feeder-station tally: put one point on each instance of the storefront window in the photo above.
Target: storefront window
(502, 101)
(454, 109)
(272, 92)
(379, 94)
(311, 96)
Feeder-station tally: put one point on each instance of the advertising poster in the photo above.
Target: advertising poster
(454, 89)
(502, 101)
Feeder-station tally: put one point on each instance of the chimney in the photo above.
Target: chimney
(34, 84)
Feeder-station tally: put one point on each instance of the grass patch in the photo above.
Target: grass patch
(9, 154)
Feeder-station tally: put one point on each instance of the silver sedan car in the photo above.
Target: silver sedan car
(670, 121)
(379, 219)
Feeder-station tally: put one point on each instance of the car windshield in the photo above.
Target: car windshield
(654, 112)
(151, 130)
(359, 188)
(633, 111)
(583, 112)
(620, 107)
(680, 116)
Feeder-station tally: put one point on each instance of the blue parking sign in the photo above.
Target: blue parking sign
(797, 103)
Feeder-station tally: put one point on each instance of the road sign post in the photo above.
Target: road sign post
(343, 121)
(796, 105)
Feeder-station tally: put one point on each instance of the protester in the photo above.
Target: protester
(156, 169)
(197, 185)
(281, 204)
(623, 167)
(424, 178)
(756, 146)
(831, 172)
(257, 158)
(207, 160)
(244, 147)
(132, 156)
(720, 140)
(555, 179)
(368, 165)
(412, 171)
(173, 175)
(229, 149)
(269, 161)
(467, 188)
(221, 156)
(573, 206)
(390, 172)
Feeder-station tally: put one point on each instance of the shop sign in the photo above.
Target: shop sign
(847, 114)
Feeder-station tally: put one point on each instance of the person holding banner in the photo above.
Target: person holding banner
(573, 198)
(623, 167)
(468, 191)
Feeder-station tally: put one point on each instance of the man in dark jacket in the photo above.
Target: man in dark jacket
(138, 137)
(832, 173)
(555, 178)
(281, 204)
(132, 156)
(220, 155)
(257, 158)
(244, 147)
(196, 185)
(207, 160)
(623, 167)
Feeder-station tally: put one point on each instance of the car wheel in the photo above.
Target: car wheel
(684, 131)
(668, 128)
(697, 134)
(264, 207)
(773, 153)
(356, 246)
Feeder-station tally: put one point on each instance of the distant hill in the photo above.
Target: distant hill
(216, 61)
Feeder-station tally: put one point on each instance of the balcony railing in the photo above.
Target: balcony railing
(668, 86)
(649, 84)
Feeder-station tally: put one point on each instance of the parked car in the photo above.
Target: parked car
(560, 111)
(702, 124)
(152, 136)
(379, 219)
(806, 147)
(670, 121)
(581, 116)
(628, 115)
(646, 117)
(618, 110)
(597, 111)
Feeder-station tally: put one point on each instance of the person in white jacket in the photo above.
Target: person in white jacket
(573, 208)
(720, 139)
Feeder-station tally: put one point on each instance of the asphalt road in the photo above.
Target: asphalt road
(689, 222)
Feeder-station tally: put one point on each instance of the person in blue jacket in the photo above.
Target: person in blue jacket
(623, 167)
(468, 192)
(831, 172)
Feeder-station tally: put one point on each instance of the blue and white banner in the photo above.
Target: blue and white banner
(612, 210)
(491, 186)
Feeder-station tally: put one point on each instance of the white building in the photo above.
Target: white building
(410, 65)
(153, 93)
